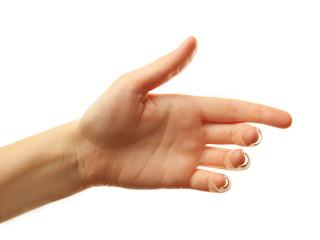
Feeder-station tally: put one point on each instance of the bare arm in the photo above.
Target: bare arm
(38, 170)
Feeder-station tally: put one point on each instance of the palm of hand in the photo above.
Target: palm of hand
(168, 146)
(160, 145)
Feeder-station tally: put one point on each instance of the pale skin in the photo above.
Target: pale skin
(132, 138)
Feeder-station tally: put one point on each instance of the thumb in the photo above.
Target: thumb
(162, 70)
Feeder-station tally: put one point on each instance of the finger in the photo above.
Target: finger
(240, 134)
(209, 181)
(224, 158)
(157, 73)
(231, 111)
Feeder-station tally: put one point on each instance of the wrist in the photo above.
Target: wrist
(72, 154)
(79, 150)
(94, 165)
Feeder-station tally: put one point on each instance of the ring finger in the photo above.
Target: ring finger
(224, 158)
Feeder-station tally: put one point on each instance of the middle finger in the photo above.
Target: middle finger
(241, 134)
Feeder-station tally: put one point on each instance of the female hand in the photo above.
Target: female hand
(136, 139)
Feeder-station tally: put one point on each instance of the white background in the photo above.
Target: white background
(57, 57)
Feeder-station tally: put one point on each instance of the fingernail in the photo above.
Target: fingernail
(236, 159)
(226, 187)
(246, 163)
(259, 138)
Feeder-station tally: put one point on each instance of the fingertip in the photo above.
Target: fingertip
(195, 46)
(192, 44)
(222, 183)
(278, 118)
(251, 136)
(287, 122)
(284, 120)
(240, 160)
(237, 158)
(191, 40)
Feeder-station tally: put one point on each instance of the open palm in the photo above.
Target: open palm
(136, 139)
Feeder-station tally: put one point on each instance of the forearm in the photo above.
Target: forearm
(38, 170)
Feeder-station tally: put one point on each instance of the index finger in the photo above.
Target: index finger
(224, 110)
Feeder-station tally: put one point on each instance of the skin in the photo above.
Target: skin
(135, 139)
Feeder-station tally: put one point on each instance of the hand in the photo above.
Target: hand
(135, 139)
